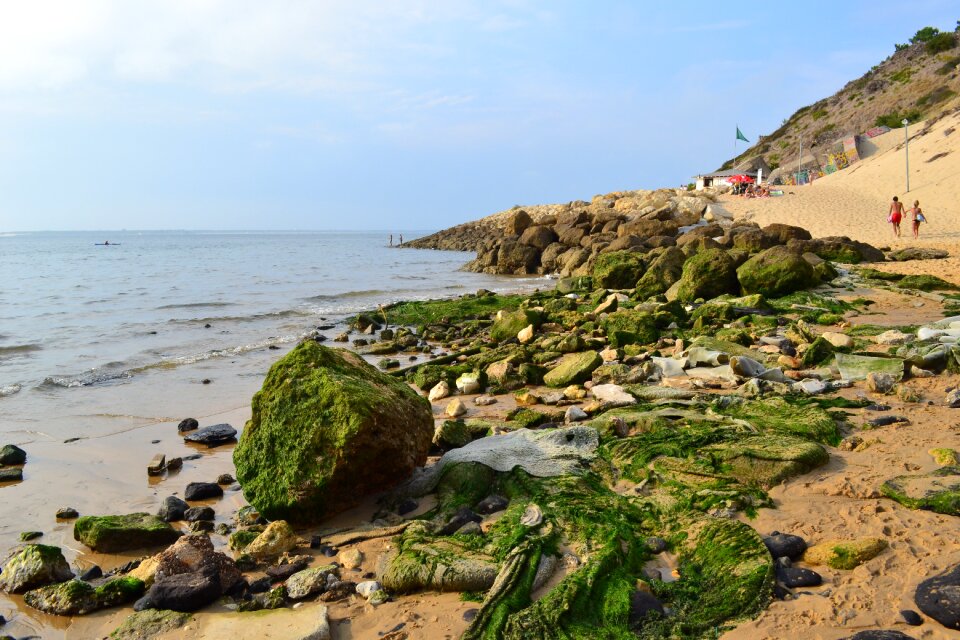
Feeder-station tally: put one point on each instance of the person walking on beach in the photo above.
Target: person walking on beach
(391, 239)
(401, 240)
(916, 216)
(896, 215)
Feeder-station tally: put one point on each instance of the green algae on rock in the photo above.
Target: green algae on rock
(776, 272)
(147, 624)
(855, 367)
(111, 534)
(75, 597)
(665, 270)
(845, 554)
(33, 565)
(573, 368)
(706, 275)
(937, 491)
(618, 269)
(509, 323)
(328, 429)
(630, 327)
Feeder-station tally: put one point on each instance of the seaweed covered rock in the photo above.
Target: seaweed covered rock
(628, 326)
(328, 429)
(770, 459)
(665, 270)
(937, 491)
(414, 565)
(776, 272)
(618, 269)
(845, 554)
(33, 565)
(706, 275)
(143, 625)
(110, 534)
(573, 368)
(509, 323)
(75, 597)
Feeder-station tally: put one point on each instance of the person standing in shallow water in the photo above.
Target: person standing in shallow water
(916, 216)
(896, 215)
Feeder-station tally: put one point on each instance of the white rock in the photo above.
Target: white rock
(455, 408)
(921, 373)
(746, 367)
(468, 383)
(669, 367)
(811, 386)
(525, 335)
(440, 391)
(609, 355)
(880, 382)
(351, 558)
(837, 339)
(928, 333)
(891, 337)
(365, 589)
(574, 414)
(698, 356)
(612, 394)
(483, 401)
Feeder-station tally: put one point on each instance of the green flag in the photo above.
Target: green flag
(740, 135)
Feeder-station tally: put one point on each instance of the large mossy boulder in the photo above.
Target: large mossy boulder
(111, 534)
(661, 274)
(630, 327)
(76, 597)
(618, 269)
(776, 272)
(574, 368)
(328, 429)
(706, 275)
(33, 565)
(767, 460)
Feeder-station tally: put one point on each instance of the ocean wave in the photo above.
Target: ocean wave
(9, 390)
(346, 295)
(254, 317)
(19, 348)
(172, 363)
(88, 379)
(197, 305)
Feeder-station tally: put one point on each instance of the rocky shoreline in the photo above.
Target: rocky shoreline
(584, 460)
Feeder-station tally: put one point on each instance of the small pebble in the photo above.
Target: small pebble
(30, 535)
(911, 617)
(68, 513)
(470, 614)
(92, 573)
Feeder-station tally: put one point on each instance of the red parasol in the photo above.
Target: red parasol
(740, 178)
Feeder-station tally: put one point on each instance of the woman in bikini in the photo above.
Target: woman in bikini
(896, 215)
(916, 216)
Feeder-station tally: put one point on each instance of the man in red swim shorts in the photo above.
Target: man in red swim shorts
(896, 215)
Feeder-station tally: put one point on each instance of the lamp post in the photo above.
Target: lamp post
(906, 148)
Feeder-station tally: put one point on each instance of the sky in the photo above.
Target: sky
(397, 114)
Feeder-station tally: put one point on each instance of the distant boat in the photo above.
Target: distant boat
(106, 244)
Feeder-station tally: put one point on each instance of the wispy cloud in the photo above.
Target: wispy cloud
(720, 25)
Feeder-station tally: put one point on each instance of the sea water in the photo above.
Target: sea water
(162, 325)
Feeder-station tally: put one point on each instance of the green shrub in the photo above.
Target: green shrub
(941, 42)
(925, 35)
(893, 120)
(819, 113)
(949, 66)
(903, 76)
(938, 95)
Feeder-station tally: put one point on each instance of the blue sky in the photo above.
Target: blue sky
(396, 114)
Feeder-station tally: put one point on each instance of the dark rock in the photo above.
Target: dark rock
(339, 591)
(67, 513)
(785, 545)
(492, 504)
(194, 553)
(193, 456)
(877, 407)
(470, 614)
(642, 605)
(195, 514)
(328, 551)
(283, 571)
(201, 526)
(656, 545)
(182, 592)
(884, 421)
(92, 573)
(213, 435)
(12, 454)
(879, 634)
(172, 509)
(27, 536)
(794, 577)
(407, 505)
(460, 518)
(225, 478)
(780, 592)
(939, 597)
(261, 585)
(315, 541)
(174, 464)
(518, 222)
(911, 617)
(202, 491)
